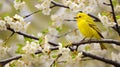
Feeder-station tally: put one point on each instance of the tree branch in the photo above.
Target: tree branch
(2, 63)
(98, 58)
(59, 55)
(55, 4)
(82, 42)
(115, 63)
(84, 53)
(114, 17)
(24, 34)
(58, 4)
(98, 41)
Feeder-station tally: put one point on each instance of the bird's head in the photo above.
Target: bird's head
(81, 16)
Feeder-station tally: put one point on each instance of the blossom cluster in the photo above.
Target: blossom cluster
(44, 5)
(18, 4)
(16, 23)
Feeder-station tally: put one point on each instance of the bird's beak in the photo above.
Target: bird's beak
(75, 17)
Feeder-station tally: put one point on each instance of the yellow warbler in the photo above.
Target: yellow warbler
(88, 27)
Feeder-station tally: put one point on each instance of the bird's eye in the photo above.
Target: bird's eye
(79, 16)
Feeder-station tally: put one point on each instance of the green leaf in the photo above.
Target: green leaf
(28, 39)
(104, 13)
(118, 17)
(59, 29)
(40, 40)
(39, 55)
(87, 48)
(54, 65)
(74, 55)
(17, 0)
(45, 31)
(13, 65)
(19, 49)
(50, 23)
(114, 2)
(54, 56)
(40, 0)
(33, 55)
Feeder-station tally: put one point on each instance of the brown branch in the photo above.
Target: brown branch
(24, 34)
(114, 17)
(59, 55)
(98, 41)
(55, 4)
(9, 60)
(82, 42)
(106, 4)
(96, 18)
(58, 4)
(84, 53)
(31, 14)
(115, 63)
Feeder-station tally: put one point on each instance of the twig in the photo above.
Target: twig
(83, 42)
(96, 19)
(84, 53)
(9, 38)
(31, 14)
(24, 34)
(114, 17)
(98, 41)
(54, 5)
(101, 59)
(115, 63)
(66, 33)
(106, 4)
(59, 55)
(9, 60)
(58, 4)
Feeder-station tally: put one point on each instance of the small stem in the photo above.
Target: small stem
(31, 14)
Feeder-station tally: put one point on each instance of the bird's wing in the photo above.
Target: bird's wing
(94, 26)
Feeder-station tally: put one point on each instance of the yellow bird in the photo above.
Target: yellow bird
(88, 27)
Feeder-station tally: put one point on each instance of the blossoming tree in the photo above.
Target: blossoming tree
(60, 44)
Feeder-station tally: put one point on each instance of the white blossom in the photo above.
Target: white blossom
(115, 57)
(105, 21)
(3, 51)
(17, 23)
(44, 6)
(31, 47)
(46, 46)
(2, 25)
(17, 63)
(18, 4)
(117, 9)
(102, 6)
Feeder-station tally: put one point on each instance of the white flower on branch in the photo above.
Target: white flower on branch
(117, 9)
(115, 57)
(44, 6)
(3, 51)
(18, 4)
(105, 21)
(3, 25)
(17, 63)
(17, 23)
(46, 46)
(31, 47)
(73, 6)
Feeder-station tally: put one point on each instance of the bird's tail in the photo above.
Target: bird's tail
(103, 46)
